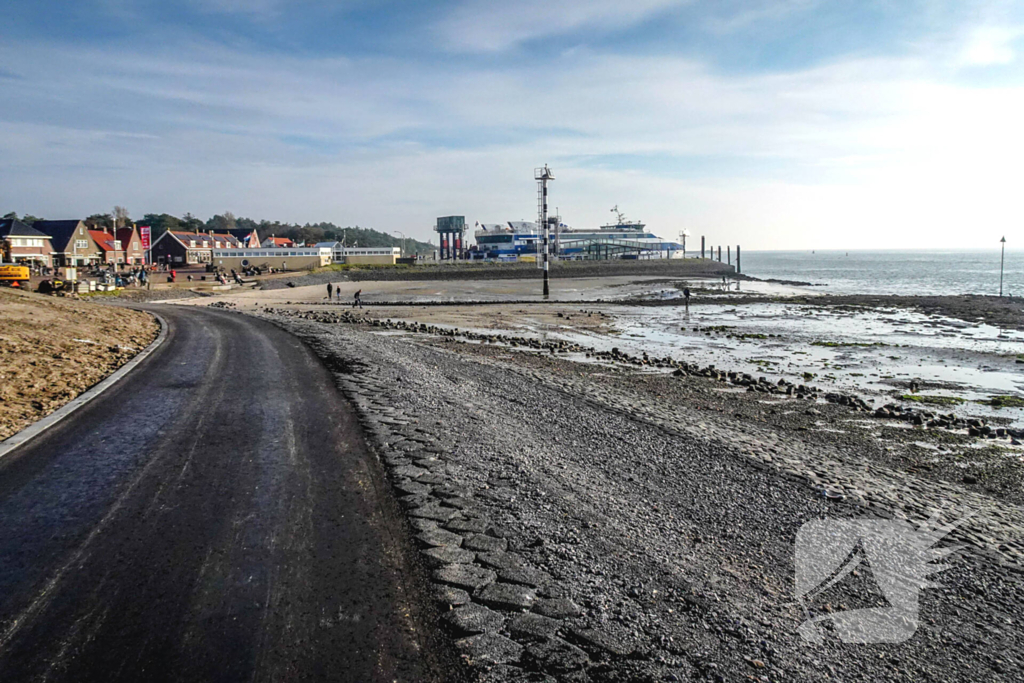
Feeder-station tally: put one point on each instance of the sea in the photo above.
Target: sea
(910, 272)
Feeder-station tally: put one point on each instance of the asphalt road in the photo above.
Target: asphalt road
(213, 517)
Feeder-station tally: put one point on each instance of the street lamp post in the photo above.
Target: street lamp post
(1002, 258)
(403, 240)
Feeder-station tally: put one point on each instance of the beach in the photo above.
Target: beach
(633, 475)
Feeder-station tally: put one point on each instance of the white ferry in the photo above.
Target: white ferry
(621, 239)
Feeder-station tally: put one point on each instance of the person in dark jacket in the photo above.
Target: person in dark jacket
(330, 291)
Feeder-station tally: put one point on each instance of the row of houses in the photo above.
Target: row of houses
(73, 243)
(68, 243)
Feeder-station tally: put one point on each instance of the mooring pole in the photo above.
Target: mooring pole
(1002, 258)
(737, 259)
(542, 176)
(728, 254)
(547, 291)
(719, 253)
(702, 246)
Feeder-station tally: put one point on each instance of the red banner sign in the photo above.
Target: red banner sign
(144, 237)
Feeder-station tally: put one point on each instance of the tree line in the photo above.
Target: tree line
(310, 233)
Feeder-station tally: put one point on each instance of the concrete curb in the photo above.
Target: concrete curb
(40, 426)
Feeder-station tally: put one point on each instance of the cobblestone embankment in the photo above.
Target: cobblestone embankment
(582, 524)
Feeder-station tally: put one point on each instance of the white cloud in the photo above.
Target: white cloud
(869, 152)
(991, 45)
(486, 26)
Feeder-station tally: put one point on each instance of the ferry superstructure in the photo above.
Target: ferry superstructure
(621, 239)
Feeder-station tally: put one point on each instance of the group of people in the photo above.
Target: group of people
(136, 276)
(335, 292)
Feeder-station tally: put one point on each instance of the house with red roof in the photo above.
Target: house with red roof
(110, 248)
(131, 245)
(277, 243)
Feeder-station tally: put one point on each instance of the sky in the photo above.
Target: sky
(794, 124)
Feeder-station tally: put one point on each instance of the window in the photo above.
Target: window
(81, 244)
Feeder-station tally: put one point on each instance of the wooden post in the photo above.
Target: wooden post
(719, 253)
(728, 254)
(702, 246)
(737, 259)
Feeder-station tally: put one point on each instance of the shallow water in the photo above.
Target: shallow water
(908, 272)
(948, 357)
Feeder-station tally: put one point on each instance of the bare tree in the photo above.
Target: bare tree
(120, 217)
(229, 220)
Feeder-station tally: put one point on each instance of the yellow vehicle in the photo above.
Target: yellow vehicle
(14, 276)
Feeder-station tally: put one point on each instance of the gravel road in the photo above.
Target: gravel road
(213, 517)
(594, 523)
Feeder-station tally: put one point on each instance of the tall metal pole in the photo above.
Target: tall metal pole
(1002, 258)
(543, 175)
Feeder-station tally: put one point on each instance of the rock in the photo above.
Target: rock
(600, 642)
(420, 524)
(448, 595)
(507, 596)
(531, 626)
(411, 487)
(556, 656)
(414, 501)
(410, 471)
(501, 560)
(485, 544)
(467, 576)
(439, 538)
(527, 576)
(970, 479)
(449, 491)
(438, 557)
(471, 619)
(557, 608)
(489, 649)
(474, 525)
(433, 511)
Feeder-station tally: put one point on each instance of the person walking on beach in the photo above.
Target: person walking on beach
(330, 291)
(686, 295)
(357, 301)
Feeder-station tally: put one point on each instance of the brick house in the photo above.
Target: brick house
(277, 243)
(184, 248)
(72, 243)
(21, 243)
(110, 248)
(131, 245)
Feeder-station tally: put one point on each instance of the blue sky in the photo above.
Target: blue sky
(789, 124)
